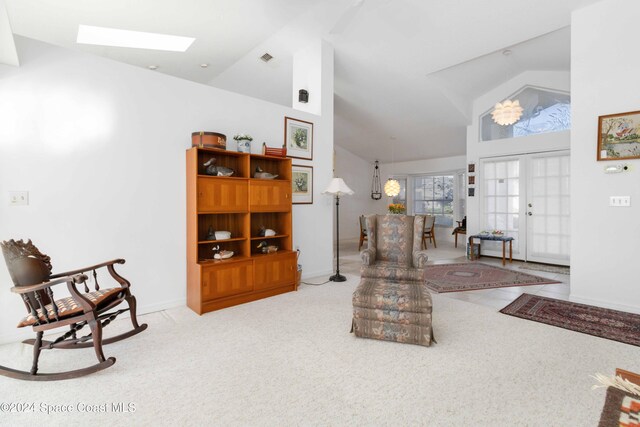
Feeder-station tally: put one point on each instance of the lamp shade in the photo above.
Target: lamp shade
(507, 112)
(392, 188)
(338, 188)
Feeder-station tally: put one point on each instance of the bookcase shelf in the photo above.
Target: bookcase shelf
(241, 205)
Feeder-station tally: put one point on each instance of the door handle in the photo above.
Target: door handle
(530, 205)
(529, 213)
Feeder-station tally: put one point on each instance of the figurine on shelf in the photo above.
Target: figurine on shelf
(266, 232)
(223, 255)
(263, 175)
(211, 234)
(223, 235)
(218, 254)
(266, 248)
(212, 169)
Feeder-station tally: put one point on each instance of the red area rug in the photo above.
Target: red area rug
(472, 276)
(600, 322)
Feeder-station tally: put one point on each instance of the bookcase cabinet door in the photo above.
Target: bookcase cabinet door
(270, 196)
(274, 270)
(223, 280)
(222, 195)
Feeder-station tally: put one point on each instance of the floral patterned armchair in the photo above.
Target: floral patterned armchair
(392, 302)
(394, 248)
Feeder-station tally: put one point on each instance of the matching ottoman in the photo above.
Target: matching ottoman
(392, 311)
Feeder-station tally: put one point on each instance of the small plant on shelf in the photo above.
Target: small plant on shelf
(397, 208)
(243, 137)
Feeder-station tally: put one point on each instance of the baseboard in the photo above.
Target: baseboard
(605, 304)
(152, 308)
(316, 274)
(17, 335)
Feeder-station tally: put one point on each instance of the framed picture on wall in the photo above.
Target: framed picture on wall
(298, 138)
(302, 185)
(472, 192)
(619, 136)
(472, 167)
(472, 180)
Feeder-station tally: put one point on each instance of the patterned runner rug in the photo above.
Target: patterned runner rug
(601, 322)
(471, 276)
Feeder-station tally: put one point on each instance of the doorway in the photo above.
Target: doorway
(527, 197)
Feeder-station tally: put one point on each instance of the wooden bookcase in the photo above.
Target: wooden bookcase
(240, 204)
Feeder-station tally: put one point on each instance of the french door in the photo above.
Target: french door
(527, 197)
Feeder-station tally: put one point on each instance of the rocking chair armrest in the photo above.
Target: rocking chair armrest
(78, 278)
(93, 267)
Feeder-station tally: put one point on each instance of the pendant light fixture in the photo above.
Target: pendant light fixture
(376, 187)
(507, 112)
(392, 187)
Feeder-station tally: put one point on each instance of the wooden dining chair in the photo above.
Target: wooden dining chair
(429, 231)
(460, 229)
(363, 231)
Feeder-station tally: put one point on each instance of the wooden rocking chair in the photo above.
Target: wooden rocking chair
(30, 272)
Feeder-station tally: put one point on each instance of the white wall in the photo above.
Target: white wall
(557, 80)
(307, 74)
(100, 147)
(357, 173)
(604, 80)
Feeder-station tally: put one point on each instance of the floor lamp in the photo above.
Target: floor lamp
(337, 187)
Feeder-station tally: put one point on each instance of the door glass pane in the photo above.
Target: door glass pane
(549, 227)
(501, 200)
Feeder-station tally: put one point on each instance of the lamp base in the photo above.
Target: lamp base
(338, 278)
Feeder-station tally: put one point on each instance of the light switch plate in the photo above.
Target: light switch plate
(620, 201)
(18, 198)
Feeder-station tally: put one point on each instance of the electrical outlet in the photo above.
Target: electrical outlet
(18, 198)
(620, 201)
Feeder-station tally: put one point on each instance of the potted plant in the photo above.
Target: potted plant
(397, 208)
(244, 142)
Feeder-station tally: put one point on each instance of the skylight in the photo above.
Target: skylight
(88, 34)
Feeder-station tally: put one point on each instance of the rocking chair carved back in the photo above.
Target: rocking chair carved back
(27, 266)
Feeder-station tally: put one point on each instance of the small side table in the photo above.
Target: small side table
(503, 239)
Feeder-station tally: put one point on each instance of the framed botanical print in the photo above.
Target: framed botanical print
(302, 184)
(298, 138)
(619, 136)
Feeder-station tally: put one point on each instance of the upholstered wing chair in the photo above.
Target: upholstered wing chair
(394, 248)
(392, 302)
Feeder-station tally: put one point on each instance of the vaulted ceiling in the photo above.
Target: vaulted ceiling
(406, 71)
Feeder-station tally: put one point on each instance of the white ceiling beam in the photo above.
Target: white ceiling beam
(8, 51)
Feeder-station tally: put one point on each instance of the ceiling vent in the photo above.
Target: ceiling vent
(266, 57)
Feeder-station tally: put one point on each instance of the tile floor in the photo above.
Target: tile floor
(446, 253)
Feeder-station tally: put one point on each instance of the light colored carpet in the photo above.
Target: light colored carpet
(290, 360)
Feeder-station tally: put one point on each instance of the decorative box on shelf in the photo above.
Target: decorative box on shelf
(277, 152)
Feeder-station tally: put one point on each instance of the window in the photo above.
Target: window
(402, 196)
(544, 111)
(433, 195)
